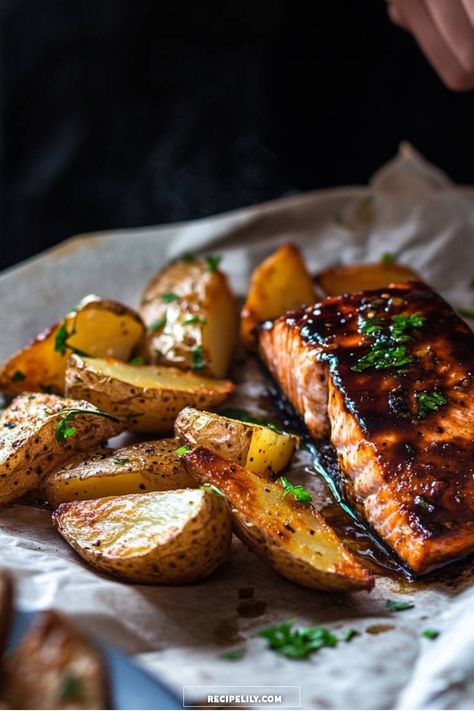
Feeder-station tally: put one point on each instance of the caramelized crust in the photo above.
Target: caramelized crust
(409, 473)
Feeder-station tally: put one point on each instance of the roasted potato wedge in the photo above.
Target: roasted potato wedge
(292, 538)
(280, 283)
(148, 396)
(55, 667)
(191, 316)
(261, 449)
(39, 432)
(146, 466)
(163, 537)
(361, 277)
(98, 327)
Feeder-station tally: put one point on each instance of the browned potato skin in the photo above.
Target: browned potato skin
(55, 667)
(43, 367)
(252, 446)
(6, 597)
(203, 295)
(227, 438)
(196, 542)
(28, 446)
(362, 277)
(267, 523)
(147, 409)
(279, 284)
(146, 466)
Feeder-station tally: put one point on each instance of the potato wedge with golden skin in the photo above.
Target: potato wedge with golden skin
(191, 316)
(55, 667)
(149, 397)
(161, 538)
(255, 447)
(31, 444)
(279, 284)
(146, 466)
(361, 277)
(292, 538)
(100, 327)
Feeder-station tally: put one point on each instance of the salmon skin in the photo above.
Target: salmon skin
(388, 375)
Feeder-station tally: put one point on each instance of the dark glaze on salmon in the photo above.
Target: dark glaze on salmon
(409, 471)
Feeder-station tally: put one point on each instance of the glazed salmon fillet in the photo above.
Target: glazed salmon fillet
(389, 376)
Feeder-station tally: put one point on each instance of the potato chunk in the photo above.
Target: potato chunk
(362, 277)
(279, 284)
(39, 432)
(259, 448)
(146, 466)
(291, 537)
(55, 667)
(163, 537)
(191, 316)
(98, 327)
(148, 396)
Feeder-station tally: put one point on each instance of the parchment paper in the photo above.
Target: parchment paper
(411, 209)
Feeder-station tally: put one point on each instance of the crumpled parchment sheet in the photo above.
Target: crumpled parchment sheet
(410, 209)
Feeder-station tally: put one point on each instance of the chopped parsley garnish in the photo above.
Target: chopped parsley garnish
(71, 687)
(215, 489)
(17, 376)
(384, 355)
(64, 430)
(138, 360)
(168, 297)
(423, 503)
(297, 643)
(430, 633)
(62, 337)
(300, 494)
(234, 655)
(213, 263)
(182, 450)
(158, 324)
(188, 257)
(388, 258)
(371, 327)
(429, 401)
(235, 413)
(398, 605)
(159, 355)
(467, 313)
(190, 320)
(197, 358)
(348, 634)
(400, 330)
(389, 349)
(122, 460)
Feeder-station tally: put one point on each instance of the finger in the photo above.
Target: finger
(469, 9)
(394, 13)
(455, 27)
(432, 44)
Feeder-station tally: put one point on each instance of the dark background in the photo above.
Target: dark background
(117, 113)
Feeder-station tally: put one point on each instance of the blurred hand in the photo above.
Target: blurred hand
(444, 29)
